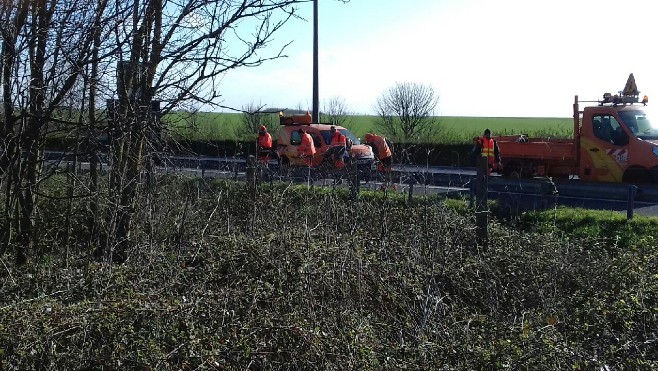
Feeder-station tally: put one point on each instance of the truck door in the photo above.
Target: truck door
(293, 149)
(606, 149)
(317, 142)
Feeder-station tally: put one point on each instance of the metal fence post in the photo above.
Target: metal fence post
(632, 192)
(355, 182)
(481, 198)
(549, 192)
(251, 174)
(471, 193)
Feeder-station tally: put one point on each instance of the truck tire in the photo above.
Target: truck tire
(284, 167)
(653, 172)
(636, 175)
(513, 170)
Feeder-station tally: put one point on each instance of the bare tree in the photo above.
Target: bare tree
(134, 54)
(45, 48)
(253, 116)
(178, 53)
(335, 111)
(406, 111)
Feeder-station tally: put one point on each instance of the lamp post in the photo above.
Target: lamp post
(316, 94)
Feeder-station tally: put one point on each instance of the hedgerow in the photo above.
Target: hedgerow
(296, 277)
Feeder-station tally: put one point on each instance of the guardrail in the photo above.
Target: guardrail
(542, 190)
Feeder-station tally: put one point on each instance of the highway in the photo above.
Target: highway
(516, 193)
(535, 193)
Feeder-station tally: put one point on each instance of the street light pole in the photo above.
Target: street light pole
(316, 93)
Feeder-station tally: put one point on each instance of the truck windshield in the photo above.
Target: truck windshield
(639, 124)
(326, 135)
(350, 136)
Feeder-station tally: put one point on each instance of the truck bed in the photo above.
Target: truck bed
(536, 148)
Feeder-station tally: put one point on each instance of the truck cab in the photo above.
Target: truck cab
(615, 140)
(618, 143)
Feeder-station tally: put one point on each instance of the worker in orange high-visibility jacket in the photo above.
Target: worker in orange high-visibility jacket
(307, 147)
(381, 150)
(487, 147)
(264, 144)
(339, 147)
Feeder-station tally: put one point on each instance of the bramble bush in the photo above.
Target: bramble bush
(296, 277)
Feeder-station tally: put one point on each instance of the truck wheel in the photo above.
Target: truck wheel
(366, 175)
(513, 170)
(653, 172)
(636, 175)
(284, 168)
(365, 172)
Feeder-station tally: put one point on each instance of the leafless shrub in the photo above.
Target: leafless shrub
(253, 116)
(406, 112)
(305, 277)
(335, 111)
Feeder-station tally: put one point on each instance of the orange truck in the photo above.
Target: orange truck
(614, 141)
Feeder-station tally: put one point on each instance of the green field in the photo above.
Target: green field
(453, 129)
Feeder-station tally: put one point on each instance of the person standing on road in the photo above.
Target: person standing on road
(264, 144)
(338, 144)
(487, 147)
(382, 152)
(307, 147)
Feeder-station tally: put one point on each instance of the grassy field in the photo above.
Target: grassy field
(454, 129)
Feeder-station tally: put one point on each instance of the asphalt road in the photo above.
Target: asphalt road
(516, 193)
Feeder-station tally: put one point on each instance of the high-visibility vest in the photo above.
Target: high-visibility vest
(383, 151)
(265, 141)
(488, 150)
(338, 139)
(307, 147)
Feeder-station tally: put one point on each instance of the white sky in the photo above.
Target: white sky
(491, 58)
